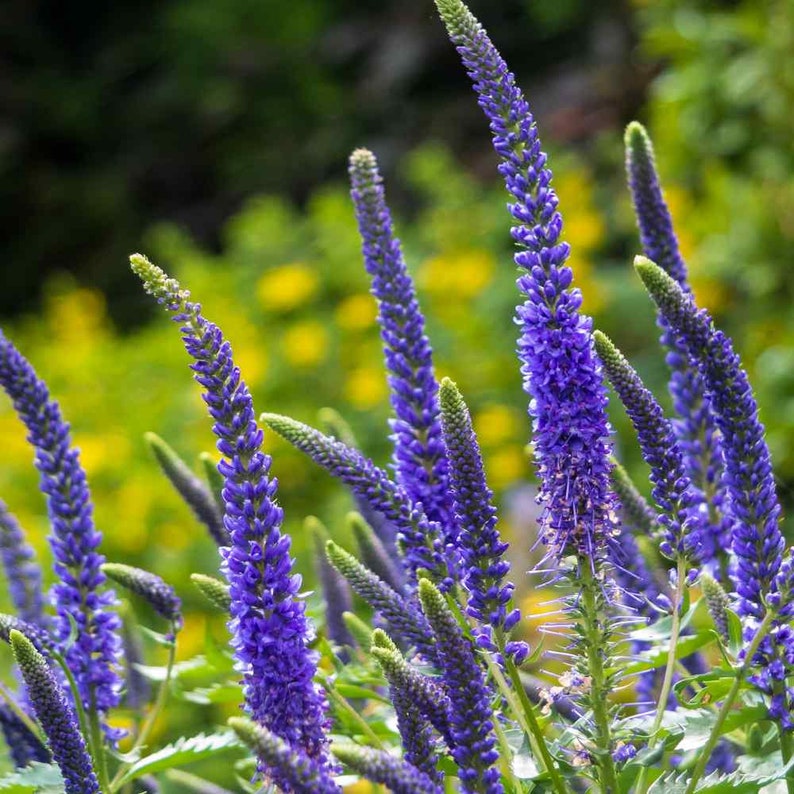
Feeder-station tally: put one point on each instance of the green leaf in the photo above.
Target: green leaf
(183, 751)
(217, 693)
(712, 687)
(657, 657)
(738, 782)
(34, 779)
(359, 692)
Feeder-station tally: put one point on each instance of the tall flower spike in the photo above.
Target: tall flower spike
(336, 592)
(21, 569)
(194, 491)
(56, 718)
(472, 719)
(484, 565)
(419, 456)
(78, 595)
(24, 746)
(380, 767)
(680, 516)
(299, 773)
(269, 627)
(419, 538)
(405, 621)
(695, 428)
(560, 370)
(757, 542)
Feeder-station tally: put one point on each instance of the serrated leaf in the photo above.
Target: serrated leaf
(712, 686)
(217, 693)
(181, 752)
(35, 779)
(738, 782)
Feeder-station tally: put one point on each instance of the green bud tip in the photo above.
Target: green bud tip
(637, 140)
(363, 163)
(381, 641)
(214, 590)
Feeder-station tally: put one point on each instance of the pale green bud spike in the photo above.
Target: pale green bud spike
(157, 282)
(372, 552)
(193, 490)
(360, 631)
(633, 504)
(337, 426)
(380, 639)
(215, 591)
(717, 603)
(214, 479)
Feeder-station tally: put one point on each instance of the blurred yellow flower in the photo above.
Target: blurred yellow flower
(505, 466)
(285, 287)
(77, 317)
(360, 787)
(584, 227)
(305, 343)
(365, 387)
(356, 313)
(495, 424)
(106, 452)
(462, 274)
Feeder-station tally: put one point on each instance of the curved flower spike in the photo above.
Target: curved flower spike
(79, 595)
(380, 767)
(757, 541)
(56, 718)
(270, 630)
(21, 569)
(298, 773)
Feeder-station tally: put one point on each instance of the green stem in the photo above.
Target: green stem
(595, 642)
(193, 782)
(669, 671)
(727, 704)
(151, 719)
(98, 743)
(786, 745)
(20, 713)
(341, 702)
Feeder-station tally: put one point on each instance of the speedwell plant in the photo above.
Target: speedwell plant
(435, 693)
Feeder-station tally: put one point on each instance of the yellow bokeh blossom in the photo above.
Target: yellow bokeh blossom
(305, 343)
(462, 274)
(496, 424)
(506, 465)
(285, 287)
(77, 317)
(356, 313)
(365, 387)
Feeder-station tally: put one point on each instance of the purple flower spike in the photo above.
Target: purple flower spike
(296, 772)
(419, 455)
(380, 767)
(695, 428)
(21, 569)
(757, 541)
(418, 537)
(161, 596)
(681, 516)
(482, 550)
(56, 718)
(75, 540)
(270, 631)
(472, 718)
(561, 373)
